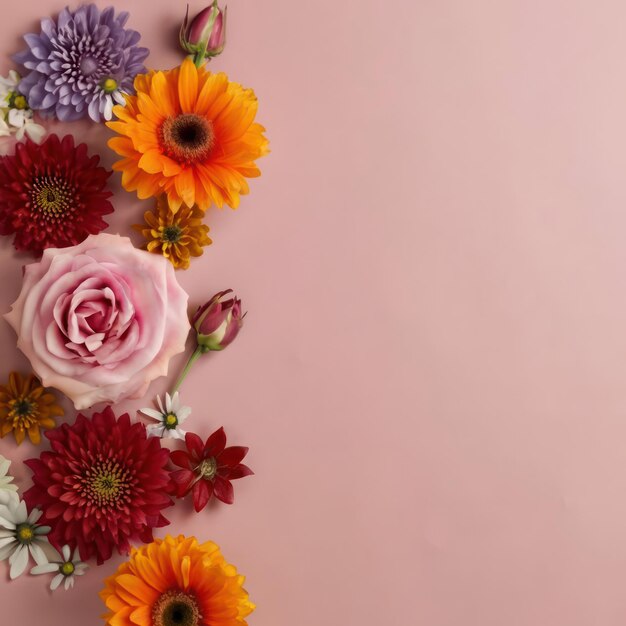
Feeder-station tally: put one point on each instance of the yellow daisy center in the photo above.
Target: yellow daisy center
(20, 103)
(25, 533)
(187, 138)
(176, 608)
(67, 569)
(170, 421)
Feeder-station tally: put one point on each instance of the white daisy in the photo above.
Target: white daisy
(20, 535)
(8, 491)
(65, 566)
(169, 418)
(17, 116)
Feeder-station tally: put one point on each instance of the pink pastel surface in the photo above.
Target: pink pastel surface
(432, 374)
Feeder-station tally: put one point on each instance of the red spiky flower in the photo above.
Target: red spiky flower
(103, 485)
(52, 195)
(208, 468)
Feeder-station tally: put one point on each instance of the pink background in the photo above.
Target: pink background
(432, 373)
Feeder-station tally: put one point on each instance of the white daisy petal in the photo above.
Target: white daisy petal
(38, 554)
(66, 552)
(56, 581)
(45, 568)
(183, 413)
(6, 551)
(19, 561)
(152, 413)
(34, 516)
(160, 404)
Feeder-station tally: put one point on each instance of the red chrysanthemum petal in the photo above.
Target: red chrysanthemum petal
(202, 491)
(239, 471)
(103, 484)
(223, 490)
(232, 455)
(52, 195)
(215, 444)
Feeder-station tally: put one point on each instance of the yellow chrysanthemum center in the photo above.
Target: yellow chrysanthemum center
(106, 484)
(52, 196)
(187, 138)
(170, 421)
(25, 533)
(109, 85)
(67, 569)
(208, 468)
(176, 608)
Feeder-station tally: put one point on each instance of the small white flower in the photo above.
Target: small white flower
(16, 116)
(65, 566)
(169, 418)
(20, 535)
(8, 491)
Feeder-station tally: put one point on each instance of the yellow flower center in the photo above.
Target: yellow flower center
(208, 468)
(52, 196)
(25, 533)
(67, 569)
(106, 484)
(20, 103)
(187, 138)
(170, 421)
(109, 85)
(176, 608)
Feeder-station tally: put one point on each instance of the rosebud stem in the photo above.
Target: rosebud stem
(200, 57)
(192, 359)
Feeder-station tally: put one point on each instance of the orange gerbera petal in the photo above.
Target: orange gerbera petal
(181, 125)
(178, 572)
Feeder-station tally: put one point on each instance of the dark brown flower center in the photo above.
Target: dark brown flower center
(172, 234)
(176, 608)
(22, 412)
(52, 197)
(187, 138)
(106, 484)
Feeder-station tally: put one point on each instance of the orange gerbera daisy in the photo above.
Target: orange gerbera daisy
(25, 408)
(188, 133)
(176, 582)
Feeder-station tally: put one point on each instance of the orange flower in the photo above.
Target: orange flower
(25, 408)
(188, 133)
(177, 236)
(176, 581)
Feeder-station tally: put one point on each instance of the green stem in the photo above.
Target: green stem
(192, 359)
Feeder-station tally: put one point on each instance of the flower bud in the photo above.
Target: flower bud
(217, 322)
(205, 36)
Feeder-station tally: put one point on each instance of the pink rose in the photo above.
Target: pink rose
(99, 321)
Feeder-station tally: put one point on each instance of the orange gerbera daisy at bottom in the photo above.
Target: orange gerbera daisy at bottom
(176, 582)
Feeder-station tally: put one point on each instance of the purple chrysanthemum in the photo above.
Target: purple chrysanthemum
(80, 64)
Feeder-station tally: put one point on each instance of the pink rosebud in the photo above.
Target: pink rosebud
(218, 322)
(205, 36)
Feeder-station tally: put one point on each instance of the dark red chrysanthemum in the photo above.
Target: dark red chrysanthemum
(52, 195)
(103, 484)
(208, 468)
